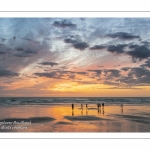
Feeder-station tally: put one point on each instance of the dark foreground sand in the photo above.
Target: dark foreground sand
(61, 118)
(84, 118)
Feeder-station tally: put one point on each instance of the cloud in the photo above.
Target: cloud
(136, 76)
(140, 52)
(53, 74)
(146, 64)
(81, 45)
(7, 73)
(64, 24)
(117, 48)
(98, 47)
(111, 48)
(112, 73)
(97, 71)
(133, 46)
(125, 68)
(30, 40)
(139, 72)
(69, 40)
(2, 52)
(123, 35)
(49, 63)
(21, 52)
(19, 49)
(76, 43)
(81, 73)
(60, 74)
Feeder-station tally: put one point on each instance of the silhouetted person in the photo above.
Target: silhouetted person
(72, 106)
(102, 104)
(98, 106)
(86, 106)
(81, 106)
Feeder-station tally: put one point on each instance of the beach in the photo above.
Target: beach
(62, 118)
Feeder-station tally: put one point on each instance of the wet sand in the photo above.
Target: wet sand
(62, 118)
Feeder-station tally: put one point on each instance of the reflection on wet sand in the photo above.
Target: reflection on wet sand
(103, 110)
(86, 111)
(81, 111)
(121, 108)
(72, 112)
(88, 119)
(99, 111)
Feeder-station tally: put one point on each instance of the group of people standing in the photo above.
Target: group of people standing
(98, 106)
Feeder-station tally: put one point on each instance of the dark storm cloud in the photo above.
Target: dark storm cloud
(49, 63)
(76, 43)
(123, 35)
(140, 52)
(117, 48)
(7, 73)
(98, 47)
(64, 24)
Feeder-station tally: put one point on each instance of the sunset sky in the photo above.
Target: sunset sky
(74, 57)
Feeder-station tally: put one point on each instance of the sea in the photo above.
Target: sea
(9, 101)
